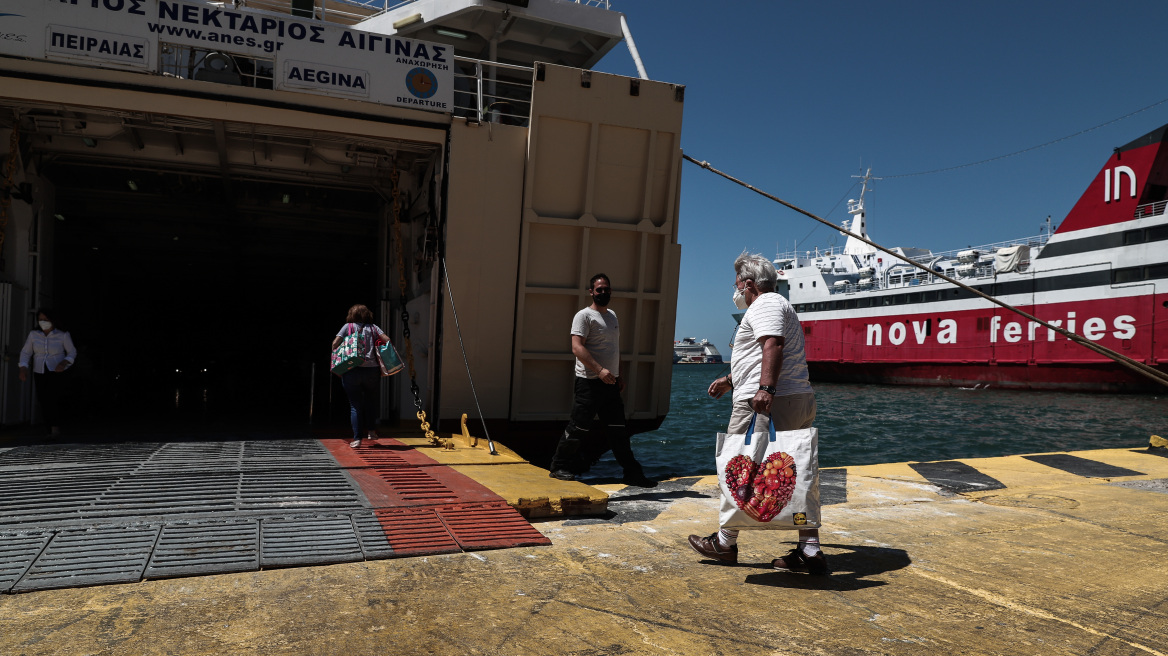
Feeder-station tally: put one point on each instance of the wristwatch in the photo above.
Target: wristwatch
(769, 389)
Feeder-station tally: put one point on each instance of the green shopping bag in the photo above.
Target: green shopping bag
(388, 358)
(351, 352)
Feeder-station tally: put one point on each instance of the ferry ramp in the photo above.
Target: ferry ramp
(1040, 554)
(89, 513)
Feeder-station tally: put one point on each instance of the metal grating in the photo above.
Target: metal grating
(87, 514)
(19, 475)
(414, 484)
(188, 548)
(160, 494)
(490, 526)
(173, 481)
(29, 500)
(373, 540)
(382, 459)
(323, 489)
(91, 557)
(315, 540)
(17, 553)
(416, 531)
(49, 456)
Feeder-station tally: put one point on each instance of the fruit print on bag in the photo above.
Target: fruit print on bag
(761, 491)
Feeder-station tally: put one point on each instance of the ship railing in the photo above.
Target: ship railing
(1151, 209)
(603, 4)
(1034, 243)
(351, 12)
(345, 12)
(909, 278)
(810, 254)
(491, 92)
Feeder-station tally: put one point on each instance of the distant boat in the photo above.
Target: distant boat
(688, 350)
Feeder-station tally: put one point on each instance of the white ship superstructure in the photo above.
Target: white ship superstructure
(691, 350)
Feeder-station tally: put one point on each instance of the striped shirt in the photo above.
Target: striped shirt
(47, 351)
(769, 315)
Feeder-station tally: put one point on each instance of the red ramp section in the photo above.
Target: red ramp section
(425, 507)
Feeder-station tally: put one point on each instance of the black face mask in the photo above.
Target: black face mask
(602, 299)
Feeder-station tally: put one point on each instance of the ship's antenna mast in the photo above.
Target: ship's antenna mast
(866, 178)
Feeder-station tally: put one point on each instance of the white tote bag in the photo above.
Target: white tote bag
(769, 480)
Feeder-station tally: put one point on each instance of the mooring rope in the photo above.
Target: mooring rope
(1135, 365)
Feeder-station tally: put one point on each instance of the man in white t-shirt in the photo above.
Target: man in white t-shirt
(768, 375)
(596, 345)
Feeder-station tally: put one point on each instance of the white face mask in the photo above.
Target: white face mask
(46, 325)
(739, 299)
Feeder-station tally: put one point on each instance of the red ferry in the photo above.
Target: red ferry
(1102, 274)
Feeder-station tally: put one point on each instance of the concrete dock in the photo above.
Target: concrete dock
(1059, 554)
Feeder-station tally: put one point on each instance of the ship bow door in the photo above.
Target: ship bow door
(601, 195)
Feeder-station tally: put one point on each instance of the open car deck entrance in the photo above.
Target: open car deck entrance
(202, 265)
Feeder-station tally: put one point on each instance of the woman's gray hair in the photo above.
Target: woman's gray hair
(756, 267)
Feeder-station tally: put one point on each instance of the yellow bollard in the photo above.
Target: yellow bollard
(470, 441)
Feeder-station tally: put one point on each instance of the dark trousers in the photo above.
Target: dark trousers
(50, 391)
(362, 386)
(596, 398)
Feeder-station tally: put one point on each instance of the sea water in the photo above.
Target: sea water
(869, 424)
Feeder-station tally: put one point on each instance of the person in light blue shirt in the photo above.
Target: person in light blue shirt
(50, 351)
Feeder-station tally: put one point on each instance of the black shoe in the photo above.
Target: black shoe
(792, 562)
(562, 474)
(816, 564)
(639, 481)
(797, 561)
(709, 547)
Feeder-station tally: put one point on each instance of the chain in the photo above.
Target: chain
(405, 314)
(9, 172)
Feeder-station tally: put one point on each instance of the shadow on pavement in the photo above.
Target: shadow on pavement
(849, 570)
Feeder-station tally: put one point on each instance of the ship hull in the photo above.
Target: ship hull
(1097, 378)
(1102, 276)
(994, 347)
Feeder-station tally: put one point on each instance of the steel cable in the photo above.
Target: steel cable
(458, 329)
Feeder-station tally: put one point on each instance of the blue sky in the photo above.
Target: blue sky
(798, 97)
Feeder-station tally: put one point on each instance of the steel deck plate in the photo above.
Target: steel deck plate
(87, 514)
(490, 526)
(191, 548)
(314, 540)
(413, 532)
(17, 553)
(91, 557)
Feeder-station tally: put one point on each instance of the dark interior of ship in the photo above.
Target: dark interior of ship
(191, 297)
